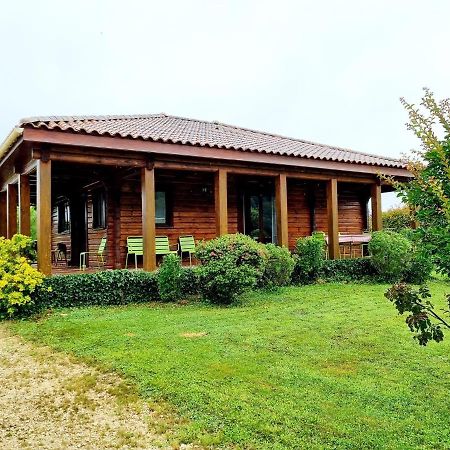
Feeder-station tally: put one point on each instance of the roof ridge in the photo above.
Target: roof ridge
(99, 117)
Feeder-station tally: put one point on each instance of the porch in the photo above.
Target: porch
(80, 201)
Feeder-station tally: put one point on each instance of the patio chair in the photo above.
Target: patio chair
(60, 253)
(100, 255)
(163, 246)
(187, 245)
(135, 246)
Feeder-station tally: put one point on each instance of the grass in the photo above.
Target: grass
(324, 366)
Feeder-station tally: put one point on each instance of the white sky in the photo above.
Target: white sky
(326, 71)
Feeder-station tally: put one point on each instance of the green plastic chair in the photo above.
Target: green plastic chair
(135, 246)
(100, 255)
(187, 245)
(163, 246)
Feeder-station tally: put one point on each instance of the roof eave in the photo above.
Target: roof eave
(10, 140)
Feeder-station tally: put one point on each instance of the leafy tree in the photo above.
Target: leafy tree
(428, 197)
(428, 194)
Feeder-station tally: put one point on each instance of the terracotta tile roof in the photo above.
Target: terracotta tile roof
(178, 130)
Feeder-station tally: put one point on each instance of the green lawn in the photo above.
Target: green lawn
(325, 366)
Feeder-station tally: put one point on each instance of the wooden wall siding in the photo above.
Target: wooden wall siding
(233, 205)
(299, 214)
(321, 207)
(192, 198)
(351, 208)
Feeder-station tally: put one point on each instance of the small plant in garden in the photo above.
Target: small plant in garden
(231, 264)
(423, 317)
(391, 254)
(169, 279)
(279, 267)
(18, 279)
(309, 258)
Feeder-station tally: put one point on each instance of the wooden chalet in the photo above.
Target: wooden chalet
(120, 176)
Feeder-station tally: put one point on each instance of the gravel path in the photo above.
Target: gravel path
(49, 401)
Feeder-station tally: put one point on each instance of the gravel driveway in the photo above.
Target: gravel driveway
(50, 401)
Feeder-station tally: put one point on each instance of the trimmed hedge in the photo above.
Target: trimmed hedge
(357, 269)
(190, 281)
(109, 287)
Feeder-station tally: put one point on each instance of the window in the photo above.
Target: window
(99, 209)
(162, 209)
(63, 217)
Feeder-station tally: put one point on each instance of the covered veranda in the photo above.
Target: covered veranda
(232, 197)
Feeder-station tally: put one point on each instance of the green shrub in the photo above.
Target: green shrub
(421, 260)
(110, 287)
(419, 268)
(309, 258)
(169, 279)
(391, 254)
(18, 279)
(190, 280)
(397, 219)
(231, 264)
(279, 267)
(349, 270)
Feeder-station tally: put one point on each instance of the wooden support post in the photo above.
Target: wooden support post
(44, 218)
(220, 190)
(281, 210)
(11, 206)
(333, 219)
(148, 217)
(24, 205)
(3, 215)
(377, 219)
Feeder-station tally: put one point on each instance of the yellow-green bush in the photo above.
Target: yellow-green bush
(18, 279)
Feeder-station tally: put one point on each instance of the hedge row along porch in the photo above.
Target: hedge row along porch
(121, 176)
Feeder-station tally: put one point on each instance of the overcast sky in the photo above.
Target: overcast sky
(326, 71)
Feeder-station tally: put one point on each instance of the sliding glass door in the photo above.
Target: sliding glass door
(259, 217)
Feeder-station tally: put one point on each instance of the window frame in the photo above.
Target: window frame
(99, 197)
(169, 207)
(63, 211)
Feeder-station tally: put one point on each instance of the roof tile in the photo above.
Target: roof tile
(161, 127)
